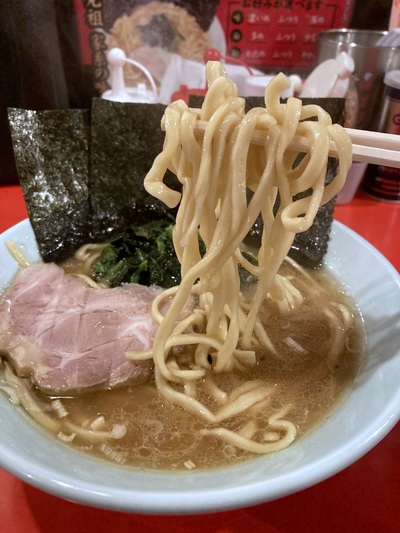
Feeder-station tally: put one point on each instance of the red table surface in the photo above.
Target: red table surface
(364, 497)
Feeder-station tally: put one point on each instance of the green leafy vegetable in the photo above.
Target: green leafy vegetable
(145, 255)
(142, 254)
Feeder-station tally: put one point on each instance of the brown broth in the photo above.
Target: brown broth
(163, 436)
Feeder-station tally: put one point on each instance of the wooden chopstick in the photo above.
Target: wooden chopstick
(374, 147)
(368, 146)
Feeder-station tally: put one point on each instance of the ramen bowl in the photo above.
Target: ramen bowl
(367, 413)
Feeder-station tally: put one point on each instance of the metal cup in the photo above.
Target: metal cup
(371, 63)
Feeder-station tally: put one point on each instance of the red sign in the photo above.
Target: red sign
(279, 34)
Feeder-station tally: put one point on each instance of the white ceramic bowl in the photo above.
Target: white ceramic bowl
(367, 414)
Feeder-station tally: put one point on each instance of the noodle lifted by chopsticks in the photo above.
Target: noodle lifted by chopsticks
(216, 171)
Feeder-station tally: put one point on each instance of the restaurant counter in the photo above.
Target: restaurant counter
(365, 497)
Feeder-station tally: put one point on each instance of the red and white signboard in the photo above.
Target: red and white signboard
(279, 34)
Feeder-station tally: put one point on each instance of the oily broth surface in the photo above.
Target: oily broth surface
(163, 436)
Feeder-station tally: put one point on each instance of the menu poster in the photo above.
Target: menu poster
(269, 35)
(279, 34)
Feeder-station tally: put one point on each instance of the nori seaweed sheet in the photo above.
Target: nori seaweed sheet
(51, 150)
(309, 248)
(82, 175)
(126, 138)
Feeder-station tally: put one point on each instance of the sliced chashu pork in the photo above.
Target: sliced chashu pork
(68, 336)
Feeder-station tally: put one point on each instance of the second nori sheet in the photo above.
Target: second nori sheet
(52, 156)
(309, 247)
(126, 138)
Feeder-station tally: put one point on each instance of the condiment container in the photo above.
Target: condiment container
(380, 182)
(390, 115)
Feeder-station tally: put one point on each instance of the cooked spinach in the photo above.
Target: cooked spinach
(145, 255)
(142, 254)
